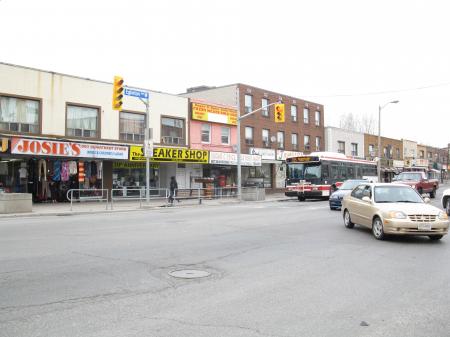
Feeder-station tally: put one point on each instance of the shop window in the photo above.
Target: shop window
(82, 121)
(19, 114)
(206, 133)
(132, 126)
(172, 131)
(225, 135)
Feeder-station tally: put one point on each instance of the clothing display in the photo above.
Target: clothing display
(42, 169)
(73, 167)
(56, 170)
(99, 169)
(87, 169)
(81, 172)
(23, 173)
(65, 171)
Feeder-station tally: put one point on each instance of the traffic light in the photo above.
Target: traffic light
(279, 113)
(117, 93)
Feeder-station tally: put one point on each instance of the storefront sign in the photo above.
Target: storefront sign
(282, 155)
(266, 154)
(43, 147)
(166, 154)
(133, 165)
(211, 113)
(4, 145)
(228, 158)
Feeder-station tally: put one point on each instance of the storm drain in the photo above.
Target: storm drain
(189, 273)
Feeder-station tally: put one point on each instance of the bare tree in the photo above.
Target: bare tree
(351, 122)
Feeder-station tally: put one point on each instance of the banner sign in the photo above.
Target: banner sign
(166, 154)
(283, 155)
(44, 147)
(266, 154)
(229, 158)
(212, 113)
(133, 165)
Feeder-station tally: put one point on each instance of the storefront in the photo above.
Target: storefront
(222, 168)
(48, 168)
(186, 165)
(263, 176)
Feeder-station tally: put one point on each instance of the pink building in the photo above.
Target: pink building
(212, 127)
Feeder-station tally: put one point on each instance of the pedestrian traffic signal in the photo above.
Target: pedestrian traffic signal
(117, 93)
(279, 113)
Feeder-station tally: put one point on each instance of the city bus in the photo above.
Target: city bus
(321, 173)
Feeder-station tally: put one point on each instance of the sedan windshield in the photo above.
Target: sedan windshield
(409, 176)
(351, 184)
(396, 194)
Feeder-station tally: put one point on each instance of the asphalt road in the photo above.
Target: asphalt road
(277, 269)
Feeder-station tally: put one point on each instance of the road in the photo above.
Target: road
(280, 269)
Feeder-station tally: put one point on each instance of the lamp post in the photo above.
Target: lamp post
(379, 137)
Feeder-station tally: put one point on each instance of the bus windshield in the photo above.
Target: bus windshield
(304, 171)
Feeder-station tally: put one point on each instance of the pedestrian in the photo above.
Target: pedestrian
(172, 188)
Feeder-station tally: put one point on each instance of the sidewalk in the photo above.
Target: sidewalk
(98, 207)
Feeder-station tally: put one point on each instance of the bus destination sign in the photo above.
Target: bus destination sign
(302, 159)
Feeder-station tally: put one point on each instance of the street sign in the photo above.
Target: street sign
(136, 93)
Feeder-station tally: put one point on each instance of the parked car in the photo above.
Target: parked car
(446, 201)
(336, 197)
(419, 180)
(393, 209)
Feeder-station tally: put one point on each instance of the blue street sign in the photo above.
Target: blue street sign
(136, 93)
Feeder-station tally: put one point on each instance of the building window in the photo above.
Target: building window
(385, 152)
(317, 118)
(306, 115)
(294, 113)
(422, 154)
(172, 131)
(341, 147)
(132, 126)
(294, 141)
(264, 106)
(249, 135)
(430, 155)
(206, 133)
(306, 142)
(371, 150)
(397, 150)
(82, 121)
(225, 135)
(317, 143)
(354, 149)
(265, 138)
(280, 139)
(248, 103)
(19, 114)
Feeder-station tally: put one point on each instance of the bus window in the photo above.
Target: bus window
(350, 171)
(325, 170)
(334, 172)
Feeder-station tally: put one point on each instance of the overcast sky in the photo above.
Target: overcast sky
(350, 56)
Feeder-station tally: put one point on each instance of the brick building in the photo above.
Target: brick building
(302, 131)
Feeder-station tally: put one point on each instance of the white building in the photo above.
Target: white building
(343, 141)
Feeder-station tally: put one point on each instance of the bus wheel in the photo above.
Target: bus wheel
(300, 198)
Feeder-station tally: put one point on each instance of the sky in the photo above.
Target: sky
(351, 55)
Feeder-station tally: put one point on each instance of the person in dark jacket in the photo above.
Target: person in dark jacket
(172, 188)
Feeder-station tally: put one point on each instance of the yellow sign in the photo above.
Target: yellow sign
(4, 144)
(166, 154)
(133, 165)
(212, 113)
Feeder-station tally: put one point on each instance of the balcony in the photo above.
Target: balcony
(172, 140)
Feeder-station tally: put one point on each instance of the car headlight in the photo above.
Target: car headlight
(442, 216)
(396, 215)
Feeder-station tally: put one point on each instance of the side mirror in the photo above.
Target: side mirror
(366, 199)
(426, 200)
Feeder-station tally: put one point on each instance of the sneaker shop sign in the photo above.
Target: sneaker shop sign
(51, 148)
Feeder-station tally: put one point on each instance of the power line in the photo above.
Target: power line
(382, 92)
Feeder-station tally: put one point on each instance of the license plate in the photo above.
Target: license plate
(325, 193)
(424, 227)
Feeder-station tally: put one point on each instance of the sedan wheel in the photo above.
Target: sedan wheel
(347, 220)
(377, 229)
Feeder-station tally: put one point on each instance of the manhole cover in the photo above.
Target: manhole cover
(189, 273)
